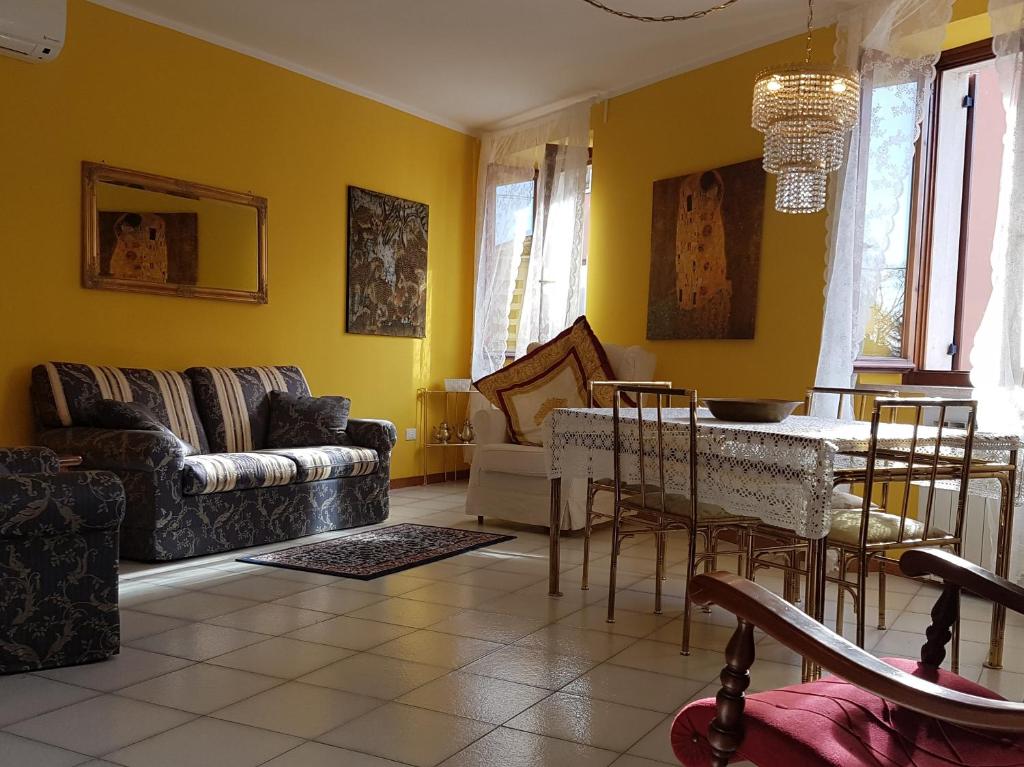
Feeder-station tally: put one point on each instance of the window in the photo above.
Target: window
(930, 276)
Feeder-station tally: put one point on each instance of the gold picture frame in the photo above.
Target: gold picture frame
(93, 275)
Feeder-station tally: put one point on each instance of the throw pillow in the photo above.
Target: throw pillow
(298, 421)
(114, 414)
(554, 375)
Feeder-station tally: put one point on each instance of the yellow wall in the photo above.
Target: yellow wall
(139, 96)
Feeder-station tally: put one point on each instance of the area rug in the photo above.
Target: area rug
(386, 550)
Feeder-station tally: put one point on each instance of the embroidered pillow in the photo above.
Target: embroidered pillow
(552, 376)
(299, 421)
(114, 414)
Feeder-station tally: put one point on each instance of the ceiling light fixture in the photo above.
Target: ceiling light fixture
(804, 111)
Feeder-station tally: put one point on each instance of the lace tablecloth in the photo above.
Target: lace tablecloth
(781, 473)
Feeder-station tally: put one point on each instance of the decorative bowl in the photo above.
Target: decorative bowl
(752, 410)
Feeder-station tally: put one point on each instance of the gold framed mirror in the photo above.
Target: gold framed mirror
(153, 234)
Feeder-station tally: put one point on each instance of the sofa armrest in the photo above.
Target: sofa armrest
(41, 505)
(372, 433)
(28, 460)
(489, 426)
(117, 449)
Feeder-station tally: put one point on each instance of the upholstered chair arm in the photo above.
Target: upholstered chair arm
(489, 426)
(28, 460)
(373, 433)
(41, 505)
(755, 606)
(956, 571)
(117, 449)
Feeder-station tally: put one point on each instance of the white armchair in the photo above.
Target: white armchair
(509, 481)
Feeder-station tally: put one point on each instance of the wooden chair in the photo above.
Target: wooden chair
(858, 399)
(648, 507)
(873, 711)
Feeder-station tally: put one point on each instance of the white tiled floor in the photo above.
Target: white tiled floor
(465, 662)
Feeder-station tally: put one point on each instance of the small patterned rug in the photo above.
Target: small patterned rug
(386, 550)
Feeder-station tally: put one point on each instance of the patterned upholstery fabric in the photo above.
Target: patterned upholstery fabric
(329, 462)
(235, 471)
(112, 414)
(835, 724)
(58, 563)
(297, 421)
(554, 375)
(235, 403)
(65, 393)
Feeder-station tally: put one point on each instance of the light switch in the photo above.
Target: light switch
(410, 435)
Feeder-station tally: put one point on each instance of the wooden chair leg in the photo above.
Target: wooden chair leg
(725, 734)
(881, 595)
(862, 598)
(616, 542)
(659, 570)
(841, 595)
(587, 529)
(944, 626)
(691, 570)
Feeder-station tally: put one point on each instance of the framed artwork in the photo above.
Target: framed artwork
(387, 265)
(705, 253)
(149, 247)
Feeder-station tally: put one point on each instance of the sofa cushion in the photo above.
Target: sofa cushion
(235, 403)
(66, 393)
(111, 414)
(329, 461)
(219, 473)
(298, 421)
(554, 375)
(526, 460)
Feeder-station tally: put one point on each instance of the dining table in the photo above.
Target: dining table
(781, 473)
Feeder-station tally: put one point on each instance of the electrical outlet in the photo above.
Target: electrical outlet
(410, 435)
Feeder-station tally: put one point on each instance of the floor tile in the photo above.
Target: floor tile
(494, 627)
(200, 689)
(331, 599)
(100, 725)
(516, 748)
(388, 585)
(531, 666)
(259, 588)
(633, 687)
(206, 743)
(407, 734)
(23, 696)
(493, 579)
(133, 595)
(664, 658)
(475, 697)
(351, 633)
(136, 625)
(406, 612)
(437, 649)
(195, 606)
(271, 619)
(282, 657)
(627, 760)
(199, 641)
(303, 710)
(19, 752)
(533, 605)
(584, 720)
(374, 675)
(657, 744)
(321, 755)
(578, 643)
(453, 594)
(127, 667)
(628, 623)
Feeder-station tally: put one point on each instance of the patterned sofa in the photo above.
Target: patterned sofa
(58, 562)
(224, 488)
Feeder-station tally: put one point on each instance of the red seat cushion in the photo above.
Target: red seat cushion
(832, 722)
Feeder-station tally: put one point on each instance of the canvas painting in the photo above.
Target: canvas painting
(387, 265)
(149, 247)
(706, 253)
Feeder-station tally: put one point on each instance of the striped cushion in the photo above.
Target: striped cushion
(235, 471)
(65, 394)
(235, 403)
(316, 463)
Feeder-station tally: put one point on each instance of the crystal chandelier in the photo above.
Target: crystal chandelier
(804, 111)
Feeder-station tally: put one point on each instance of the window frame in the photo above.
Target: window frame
(919, 251)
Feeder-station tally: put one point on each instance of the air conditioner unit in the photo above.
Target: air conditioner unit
(32, 30)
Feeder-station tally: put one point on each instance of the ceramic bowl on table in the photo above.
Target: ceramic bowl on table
(751, 410)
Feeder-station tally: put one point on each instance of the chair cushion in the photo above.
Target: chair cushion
(844, 500)
(679, 506)
(221, 472)
(504, 457)
(833, 723)
(65, 394)
(112, 414)
(329, 461)
(554, 375)
(235, 403)
(882, 528)
(299, 421)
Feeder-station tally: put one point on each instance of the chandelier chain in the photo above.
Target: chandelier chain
(638, 17)
(810, 27)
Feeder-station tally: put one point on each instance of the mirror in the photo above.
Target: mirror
(153, 234)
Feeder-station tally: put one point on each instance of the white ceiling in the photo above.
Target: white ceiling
(477, 64)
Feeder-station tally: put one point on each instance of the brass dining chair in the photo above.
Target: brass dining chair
(640, 447)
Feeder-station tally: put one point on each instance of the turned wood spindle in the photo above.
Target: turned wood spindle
(726, 731)
(944, 615)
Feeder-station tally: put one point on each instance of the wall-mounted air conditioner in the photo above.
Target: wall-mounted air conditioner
(32, 30)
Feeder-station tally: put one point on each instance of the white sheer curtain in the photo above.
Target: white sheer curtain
(894, 45)
(556, 146)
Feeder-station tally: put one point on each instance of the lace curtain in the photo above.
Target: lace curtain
(557, 147)
(894, 45)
